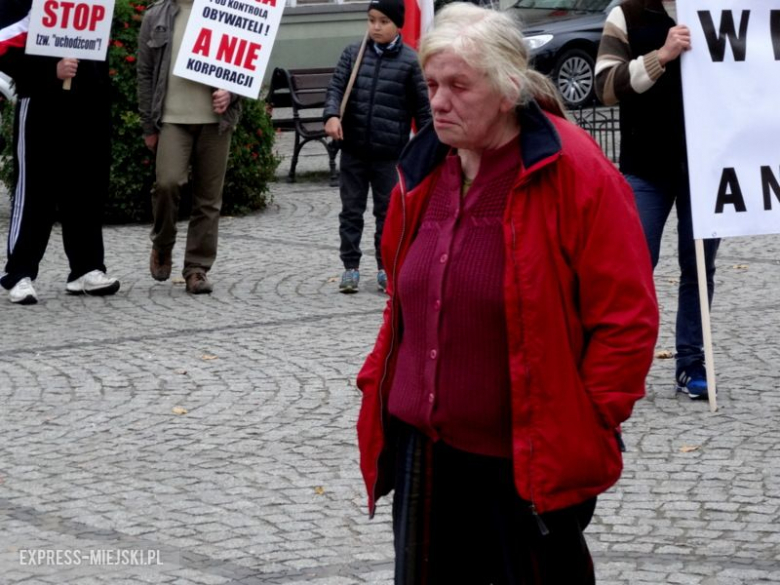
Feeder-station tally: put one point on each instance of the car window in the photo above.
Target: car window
(586, 5)
(592, 5)
(547, 4)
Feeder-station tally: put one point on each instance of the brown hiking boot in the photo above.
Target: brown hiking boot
(160, 264)
(198, 284)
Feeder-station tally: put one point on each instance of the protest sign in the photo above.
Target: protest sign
(227, 43)
(78, 29)
(731, 79)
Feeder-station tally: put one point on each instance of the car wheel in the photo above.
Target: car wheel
(575, 77)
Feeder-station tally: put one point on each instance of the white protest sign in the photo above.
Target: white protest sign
(79, 29)
(731, 80)
(228, 42)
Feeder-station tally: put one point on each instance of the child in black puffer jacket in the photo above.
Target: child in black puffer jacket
(388, 93)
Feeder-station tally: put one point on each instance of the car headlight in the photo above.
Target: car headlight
(537, 41)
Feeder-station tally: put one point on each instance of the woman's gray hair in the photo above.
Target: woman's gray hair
(490, 41)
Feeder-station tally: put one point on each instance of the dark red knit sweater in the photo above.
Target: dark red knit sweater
(452, 377)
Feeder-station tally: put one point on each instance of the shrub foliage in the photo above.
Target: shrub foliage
(252, 161)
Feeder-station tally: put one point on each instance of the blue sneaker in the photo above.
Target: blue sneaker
(693, 381)
(381, 281)
(349, 281)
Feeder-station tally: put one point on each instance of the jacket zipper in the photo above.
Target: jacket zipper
(543, 530)
(393, 311)
(532, 505)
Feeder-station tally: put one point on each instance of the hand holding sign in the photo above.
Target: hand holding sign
(66, 70)
(71, 30)
(677, 40)
(227, 44)
(220, 100)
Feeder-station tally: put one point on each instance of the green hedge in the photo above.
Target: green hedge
(252, 161)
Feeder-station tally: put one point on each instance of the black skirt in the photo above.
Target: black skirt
(457, 520)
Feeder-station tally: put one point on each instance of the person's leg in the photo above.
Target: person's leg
(544, 549)
(689, 336)
(174, 149)
(654, 204)
(32, 212)
(383, 178)
(353, 188)
(464, 544)
(410, 504)
(83, 199)
(209, 164)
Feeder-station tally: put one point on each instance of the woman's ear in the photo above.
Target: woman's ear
(509, 103)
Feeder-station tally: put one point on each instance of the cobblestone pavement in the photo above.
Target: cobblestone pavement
(255, 480)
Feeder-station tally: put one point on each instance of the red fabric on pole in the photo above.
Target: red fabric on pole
(412, 24)
(14, 22)
(19, 40)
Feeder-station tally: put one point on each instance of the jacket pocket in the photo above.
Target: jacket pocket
(159, 37)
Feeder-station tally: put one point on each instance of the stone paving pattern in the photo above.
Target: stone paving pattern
(258, 482)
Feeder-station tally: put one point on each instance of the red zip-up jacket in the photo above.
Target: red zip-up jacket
(581, 312)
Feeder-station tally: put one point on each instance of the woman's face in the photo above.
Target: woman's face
(381, 28)
(468, 112)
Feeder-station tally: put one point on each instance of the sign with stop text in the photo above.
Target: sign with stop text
(228, 42)
(731, 80)
(78, 29)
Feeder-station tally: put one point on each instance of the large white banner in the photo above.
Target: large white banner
(79, 29)
(228, 42)
(731, 84)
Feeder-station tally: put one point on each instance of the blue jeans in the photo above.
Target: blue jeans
(654, 201)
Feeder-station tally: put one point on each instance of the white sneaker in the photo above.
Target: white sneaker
(93, 283)
(23, 293)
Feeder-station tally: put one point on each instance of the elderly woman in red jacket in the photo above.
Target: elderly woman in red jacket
(520, 325)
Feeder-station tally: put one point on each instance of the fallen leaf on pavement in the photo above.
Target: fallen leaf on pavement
(740, 267)
(208, 356)
(664, 354)
(177, 280)
(319, 490)
(179, 410)
(689, 448)
(181, 372)
(333, 279)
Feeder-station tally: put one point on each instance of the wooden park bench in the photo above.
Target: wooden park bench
(303, 90)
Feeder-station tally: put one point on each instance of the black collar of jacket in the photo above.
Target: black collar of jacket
(539, 141)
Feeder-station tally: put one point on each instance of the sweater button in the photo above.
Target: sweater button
(443, 258)
(433, 354)
(437, 305)
(430, 397)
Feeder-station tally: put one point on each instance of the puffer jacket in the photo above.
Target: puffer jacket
(581, 312)
(155, 47)
(389, 92)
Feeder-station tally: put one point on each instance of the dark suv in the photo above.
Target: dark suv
(564, 36)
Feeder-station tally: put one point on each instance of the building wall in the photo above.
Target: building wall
(315, 35)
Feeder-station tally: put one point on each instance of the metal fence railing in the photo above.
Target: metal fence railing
(603, 124)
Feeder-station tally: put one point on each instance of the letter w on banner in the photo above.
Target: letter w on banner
(14, 22)
(417, 21)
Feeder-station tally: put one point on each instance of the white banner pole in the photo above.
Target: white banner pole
(704, 302)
